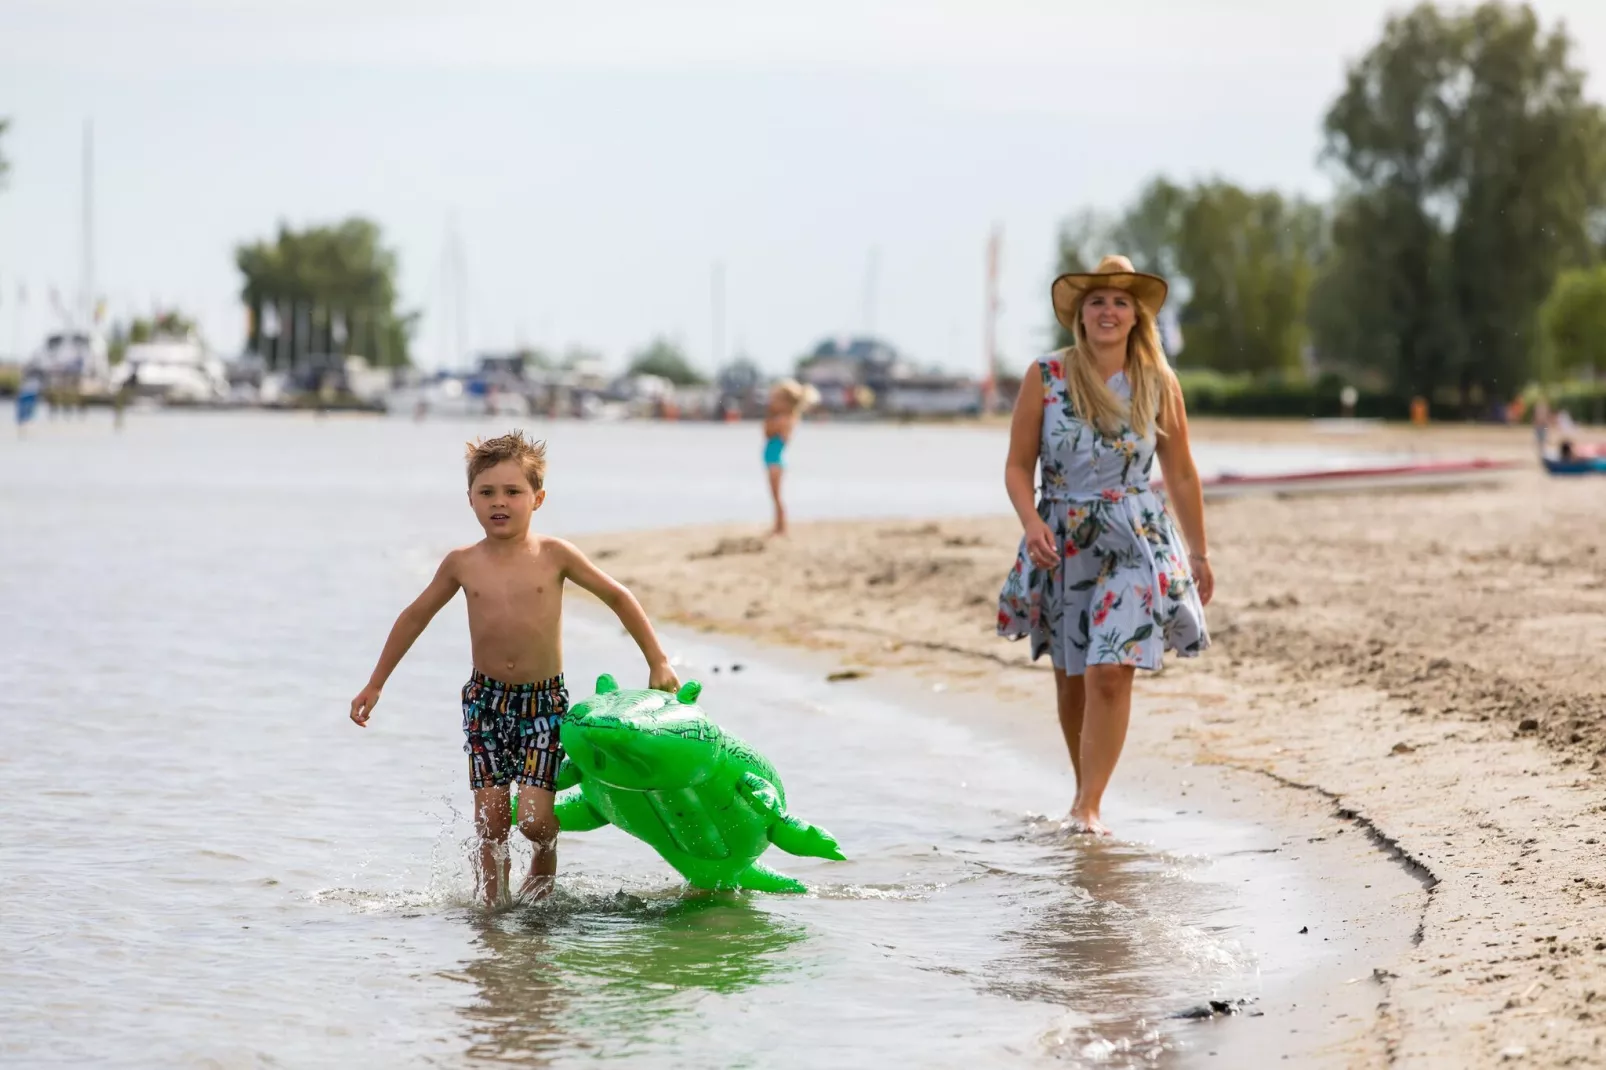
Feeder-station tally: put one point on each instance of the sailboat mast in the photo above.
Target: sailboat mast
(86, 298)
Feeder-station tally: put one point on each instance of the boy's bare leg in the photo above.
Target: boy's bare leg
(1109, 708)
(492, 821)
(540, 826)
(1072, 698)
(775, 496)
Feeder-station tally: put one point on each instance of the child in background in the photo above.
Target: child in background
(513, 704)
(788, 400)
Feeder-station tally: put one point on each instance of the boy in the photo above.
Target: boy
(513, 704)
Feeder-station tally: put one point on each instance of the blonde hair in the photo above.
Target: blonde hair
(800, 396)
(489, 452)
(1148, 373)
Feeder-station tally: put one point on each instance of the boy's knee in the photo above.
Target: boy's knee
(539, 829)
(491, 831)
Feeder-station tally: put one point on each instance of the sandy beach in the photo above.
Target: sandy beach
(1423, 667)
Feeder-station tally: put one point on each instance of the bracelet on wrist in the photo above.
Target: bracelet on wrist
(1198, 557)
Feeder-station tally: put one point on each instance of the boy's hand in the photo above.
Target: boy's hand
(662, 678)
(364, 704)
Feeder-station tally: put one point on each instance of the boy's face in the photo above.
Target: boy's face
(504, 501)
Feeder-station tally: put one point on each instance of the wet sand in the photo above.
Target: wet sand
(1424, 669)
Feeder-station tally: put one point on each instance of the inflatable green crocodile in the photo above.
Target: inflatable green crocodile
(653, 764)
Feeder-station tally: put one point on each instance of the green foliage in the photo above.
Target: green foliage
(577, 356)
(1249, 259)
(664, 358)
(1573, 324)
(1475, 167)
(1586, 401)
(1208, 393)
(534, 357)
(1240, 263)
(1145, 233)
(171, 324)
(318, 282)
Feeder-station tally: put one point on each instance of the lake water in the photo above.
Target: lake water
(203, 863)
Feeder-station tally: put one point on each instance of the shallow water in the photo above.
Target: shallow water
(205, 863)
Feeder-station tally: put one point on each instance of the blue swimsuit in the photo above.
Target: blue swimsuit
(774, 446)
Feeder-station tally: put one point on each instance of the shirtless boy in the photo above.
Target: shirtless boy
(515, 701)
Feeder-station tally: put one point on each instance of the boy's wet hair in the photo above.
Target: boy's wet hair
(489, 452)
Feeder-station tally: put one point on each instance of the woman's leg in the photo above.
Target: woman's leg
(1072, 700)
(1109, 708)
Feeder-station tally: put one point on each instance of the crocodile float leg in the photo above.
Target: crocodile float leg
(787, 832)
(801, 838)
(577, 815)
(761, 878)
(568, 776)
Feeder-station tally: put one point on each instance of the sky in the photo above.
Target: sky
(591, 168)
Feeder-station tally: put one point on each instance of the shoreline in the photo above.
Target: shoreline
(1314, 875)
(1417, 664)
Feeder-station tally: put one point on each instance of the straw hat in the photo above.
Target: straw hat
(1113, 273)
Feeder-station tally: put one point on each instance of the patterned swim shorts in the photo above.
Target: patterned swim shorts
(511, 731)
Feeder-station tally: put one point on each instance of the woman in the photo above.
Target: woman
(788, 399)
(1103, 584)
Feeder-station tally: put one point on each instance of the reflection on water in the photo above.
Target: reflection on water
(609, 975)
(1113, 932)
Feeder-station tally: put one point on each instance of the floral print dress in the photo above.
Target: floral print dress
(1122, 593)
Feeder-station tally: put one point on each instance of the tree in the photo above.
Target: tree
(1573, 324)
(329, 289)
(171, 324)
(1081, 239)
(1248, 260)
(1240, 264)
(578, 357)
(665, 359)
(535, 357)
(1475, 168)
(1149, 231)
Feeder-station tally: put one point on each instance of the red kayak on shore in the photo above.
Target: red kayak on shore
(1373, 477)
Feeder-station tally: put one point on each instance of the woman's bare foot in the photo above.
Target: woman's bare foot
(1086, 821)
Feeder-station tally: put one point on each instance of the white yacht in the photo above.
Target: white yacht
(173, 370)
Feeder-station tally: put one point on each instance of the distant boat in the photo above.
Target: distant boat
(453, 397)
(1582, 460)
(75, 357)
(177, 370)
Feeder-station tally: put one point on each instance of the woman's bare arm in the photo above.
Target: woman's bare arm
(1020, 468)
(1184, 488)
(1025, 436)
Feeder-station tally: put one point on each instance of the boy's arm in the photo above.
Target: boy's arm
(613, 594)
(408, 627)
